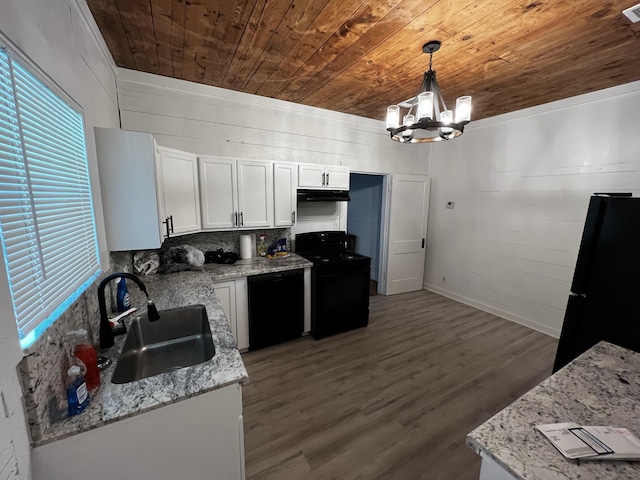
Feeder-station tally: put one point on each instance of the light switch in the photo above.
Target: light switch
(450, 204)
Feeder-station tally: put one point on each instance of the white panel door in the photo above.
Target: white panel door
(407, 233)
(311, 176)
(218, 181)
(284, 194)
(255, 194)
(337, 178)
(178, 174)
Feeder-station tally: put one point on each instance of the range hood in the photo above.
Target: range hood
(323, 196)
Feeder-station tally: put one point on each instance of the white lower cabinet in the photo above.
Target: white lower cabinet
(235, 303)
(197, 438)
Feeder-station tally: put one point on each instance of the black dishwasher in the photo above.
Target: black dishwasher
(276, 308)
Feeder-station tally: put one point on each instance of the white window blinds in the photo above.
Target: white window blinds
(47, 222)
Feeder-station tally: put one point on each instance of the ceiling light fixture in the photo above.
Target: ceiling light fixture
(428, 119)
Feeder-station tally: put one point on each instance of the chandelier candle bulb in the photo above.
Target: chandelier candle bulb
(393, 116)
(408, 120)
(446, 117)
(463, 109)
(425, 105)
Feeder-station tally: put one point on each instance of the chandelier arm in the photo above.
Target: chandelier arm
(423, 88)
(438, 94)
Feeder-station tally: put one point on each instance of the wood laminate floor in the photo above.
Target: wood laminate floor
(394, 400)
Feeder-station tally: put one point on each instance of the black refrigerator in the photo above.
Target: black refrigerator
(604, 303)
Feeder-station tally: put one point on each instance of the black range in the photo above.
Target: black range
(339, 283)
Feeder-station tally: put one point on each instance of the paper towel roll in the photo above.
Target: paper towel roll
(245, 247)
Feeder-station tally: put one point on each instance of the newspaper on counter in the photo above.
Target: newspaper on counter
(592, 442)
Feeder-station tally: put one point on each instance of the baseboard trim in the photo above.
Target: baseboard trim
(552, 332)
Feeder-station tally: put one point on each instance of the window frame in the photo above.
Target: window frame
(56, 308)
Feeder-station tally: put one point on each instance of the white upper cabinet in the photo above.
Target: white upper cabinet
(333, 177)
(285, 181)
(140, 189)
(235, 193)
(336, 177)
(255, 194)
(218, 188)
(179, 190)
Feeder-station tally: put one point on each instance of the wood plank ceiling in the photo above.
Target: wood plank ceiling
(359, 56)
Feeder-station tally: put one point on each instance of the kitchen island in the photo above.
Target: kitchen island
(600, 387)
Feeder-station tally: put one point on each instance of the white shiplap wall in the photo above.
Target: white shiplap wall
(215, 121)
(60, 38)
(521, 184)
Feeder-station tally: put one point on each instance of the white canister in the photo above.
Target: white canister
(245, 247)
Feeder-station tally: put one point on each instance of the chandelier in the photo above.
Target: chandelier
(428, 119)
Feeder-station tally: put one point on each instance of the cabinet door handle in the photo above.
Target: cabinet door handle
(323, 179)
(235, 219)
(241, 219)
(166, 226)
(423, 243)
(327, 179)
(171, 220)
(293, 218)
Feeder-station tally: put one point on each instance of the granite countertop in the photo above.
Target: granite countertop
(111, 402)
(255, 266)
(601, 387)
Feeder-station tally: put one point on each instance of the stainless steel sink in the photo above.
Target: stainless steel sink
(180, 338)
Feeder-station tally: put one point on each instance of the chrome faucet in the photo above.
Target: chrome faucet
(106, 333)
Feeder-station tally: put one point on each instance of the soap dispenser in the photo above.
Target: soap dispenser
(77, 394)
(86, 353)
(123, 300)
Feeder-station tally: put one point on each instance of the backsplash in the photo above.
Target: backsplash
(227, 241)
(43, 369)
